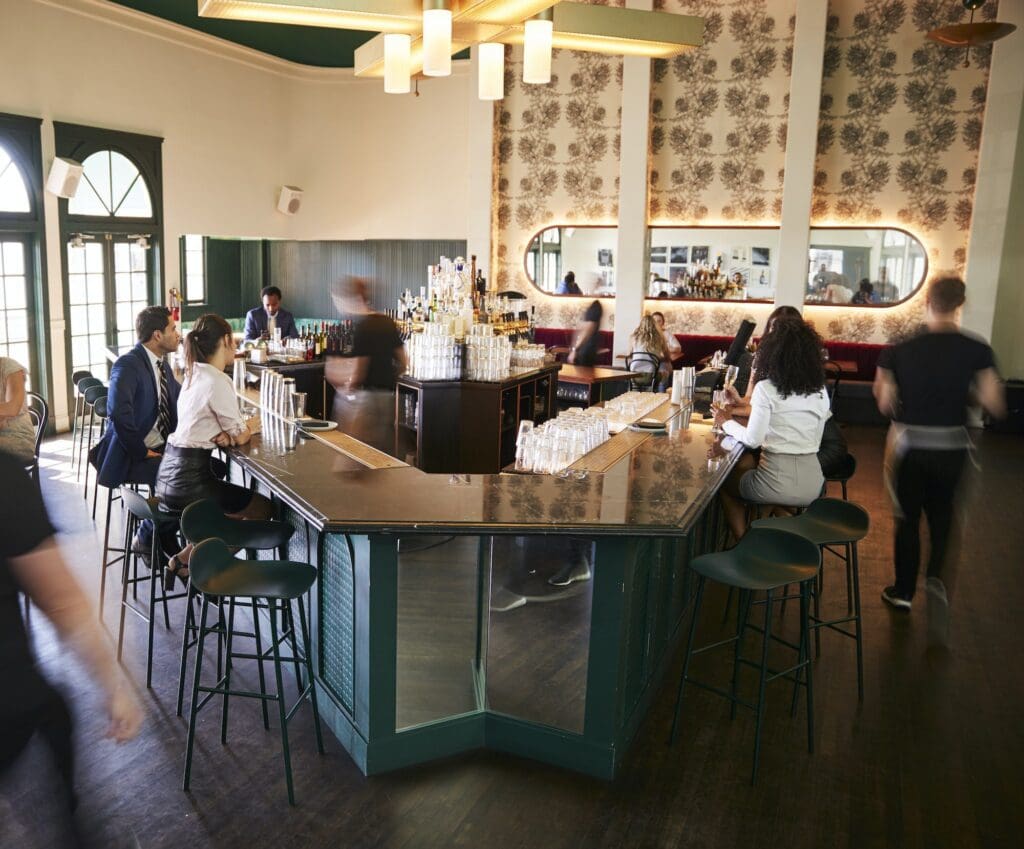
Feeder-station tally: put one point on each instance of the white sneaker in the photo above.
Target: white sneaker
(503, 600)
(571, 573)
(938, 613)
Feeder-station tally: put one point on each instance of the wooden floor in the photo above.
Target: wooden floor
(933, 758)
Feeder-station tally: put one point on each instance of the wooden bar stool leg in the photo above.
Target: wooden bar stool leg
(689, 650)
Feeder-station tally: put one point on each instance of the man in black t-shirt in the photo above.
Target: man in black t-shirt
(584, 347)
(30, 563)
(925, 386)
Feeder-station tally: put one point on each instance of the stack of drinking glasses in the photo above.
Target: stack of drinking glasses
(550, 448)
(279, 398)
(625, 409)
(434, 354)
(487, 356)
(528, 357)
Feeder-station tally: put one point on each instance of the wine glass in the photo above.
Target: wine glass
(731, 373)
(719, 400)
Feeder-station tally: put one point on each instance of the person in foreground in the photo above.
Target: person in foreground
(31, 563)
(925, 386)
(270, 317)
(208, 418)
(788, 411)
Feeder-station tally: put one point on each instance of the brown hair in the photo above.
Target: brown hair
(946, 294)
(203, 339)
(151, 320)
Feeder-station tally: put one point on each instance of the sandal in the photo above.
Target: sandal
(174, 569)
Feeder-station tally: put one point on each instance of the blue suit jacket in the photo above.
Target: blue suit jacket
(132, 401)
(256, 323)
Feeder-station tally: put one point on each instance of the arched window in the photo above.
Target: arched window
(13, 190)
(111, 185)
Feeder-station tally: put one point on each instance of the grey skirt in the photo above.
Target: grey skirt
(789, 480)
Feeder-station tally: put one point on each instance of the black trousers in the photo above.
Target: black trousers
(926, 481)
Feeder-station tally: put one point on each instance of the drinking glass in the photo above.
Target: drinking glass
(718, 401)
(731, 373)
(298, 405)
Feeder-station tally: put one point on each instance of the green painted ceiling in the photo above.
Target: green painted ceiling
(319, 46)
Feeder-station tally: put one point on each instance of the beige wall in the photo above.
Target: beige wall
(1007, 338)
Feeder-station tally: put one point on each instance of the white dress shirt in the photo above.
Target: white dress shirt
(207, 405)
(671, 342)
(791, 425)
(154, 439)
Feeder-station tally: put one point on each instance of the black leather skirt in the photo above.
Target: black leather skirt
(186, 475)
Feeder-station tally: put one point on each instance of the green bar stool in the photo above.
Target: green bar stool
(217, 574)
(765, 560)
(842, 474)
(81, 380)
(92, 395)
(203, 520)
(829, 523)
(140, 509)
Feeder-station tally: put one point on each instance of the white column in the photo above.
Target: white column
(631, 260)
(990, 224)
(801, 144)
(479, 158)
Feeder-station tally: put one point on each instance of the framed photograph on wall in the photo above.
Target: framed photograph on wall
(760, 256)
(740, 255)
(604, 257)
(678, 255)
(761, 277)
(659, 254)
(699, 254)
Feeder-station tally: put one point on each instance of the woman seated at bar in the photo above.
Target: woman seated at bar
(788, 410)
(675, 350)
(17, 433)
(208, 418)
(647, 339)
(739, 405)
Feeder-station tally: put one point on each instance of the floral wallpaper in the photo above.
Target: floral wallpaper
(898, 136)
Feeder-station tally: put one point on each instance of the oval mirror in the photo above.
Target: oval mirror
(864, 266)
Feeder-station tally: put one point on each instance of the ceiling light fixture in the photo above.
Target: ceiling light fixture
(537, 48)
(437, 38)
(491, 80)
(397, 63)
(973, 33)
(439, 28)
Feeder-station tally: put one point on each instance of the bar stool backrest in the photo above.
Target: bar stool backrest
(138, 506)
(86, 382)
(92, 393)
(39, 410)
(209, 559)
(79, 376)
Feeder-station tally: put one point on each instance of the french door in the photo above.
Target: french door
(16, 274)
(109, 282)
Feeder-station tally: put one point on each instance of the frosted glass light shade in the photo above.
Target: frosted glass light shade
(491, 80)
(537, 52)
(437, 42)
(397, 49)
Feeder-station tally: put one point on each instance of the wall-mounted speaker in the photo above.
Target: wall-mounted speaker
(64, 177)
(289, 199)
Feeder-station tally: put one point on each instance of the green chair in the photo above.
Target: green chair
(218, 575)
(203, 520)
(829, 523)
(765, 560)
(139, 510)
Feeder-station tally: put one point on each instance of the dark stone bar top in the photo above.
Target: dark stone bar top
(659, 487)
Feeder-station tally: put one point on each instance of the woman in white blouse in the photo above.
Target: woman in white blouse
(788, 410)
(208, 418)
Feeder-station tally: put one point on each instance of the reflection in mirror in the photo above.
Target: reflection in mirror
(864, 267)
(713, 263)
(587, 252)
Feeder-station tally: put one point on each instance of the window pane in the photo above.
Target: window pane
(123, 174)
(79, 316)
(125, 316)
(98, 347)
(19, 353)
(80, 350)
(97, 318)
(76, 260)
(94, 257)
(123, 286)
(13, 258)
(194, 243)
(86, 201)
(136, 203)
(138, 257)
(15, 291)
(126, 338)
(94, 288)
(139, 288)
(13, 191)
(17, 325)
(120, 256)
(3, 334)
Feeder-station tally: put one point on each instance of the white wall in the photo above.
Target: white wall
(236, 126)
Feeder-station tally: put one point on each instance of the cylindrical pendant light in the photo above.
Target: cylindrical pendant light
(437, 38)
(491, 79)
(397, 47)
(537, 49)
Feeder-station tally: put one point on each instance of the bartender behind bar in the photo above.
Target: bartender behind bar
(270, 317)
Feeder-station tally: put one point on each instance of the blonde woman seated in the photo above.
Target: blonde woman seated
(788, 410)
(208, 418)
(17, 432)
(648, 339)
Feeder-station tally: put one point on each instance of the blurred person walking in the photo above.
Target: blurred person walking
(364, 405)
(31, 563)
(925, 386)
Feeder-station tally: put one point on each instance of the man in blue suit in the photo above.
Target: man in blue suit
(142, 404)
(265, 319)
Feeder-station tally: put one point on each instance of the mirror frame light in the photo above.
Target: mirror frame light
(577, 226)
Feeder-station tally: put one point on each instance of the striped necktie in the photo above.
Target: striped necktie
(164, 410)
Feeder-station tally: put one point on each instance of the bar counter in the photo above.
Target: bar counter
(437, 629)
